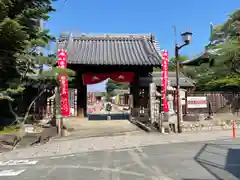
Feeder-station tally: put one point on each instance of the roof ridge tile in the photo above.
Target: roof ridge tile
(112, 49)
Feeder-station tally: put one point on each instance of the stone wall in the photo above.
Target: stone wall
(209, 125)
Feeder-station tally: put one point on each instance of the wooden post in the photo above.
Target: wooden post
(81, 101)
(81, 98)
(134, 89)
(186, 102)
(233, 129)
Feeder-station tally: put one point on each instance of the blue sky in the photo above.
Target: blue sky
(142, 16)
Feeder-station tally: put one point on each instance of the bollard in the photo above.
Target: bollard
(233, 129)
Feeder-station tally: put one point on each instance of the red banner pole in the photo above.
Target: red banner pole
(164, 83)
(62, 63)
(233, 129)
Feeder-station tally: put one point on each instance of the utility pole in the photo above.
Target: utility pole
(187, 37)
(178, 89)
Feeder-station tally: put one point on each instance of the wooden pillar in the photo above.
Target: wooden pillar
(81, 101)
(85, 100)
(134, 90)
(146, 97)
(186, 102)
(132, 94)
(81, 97)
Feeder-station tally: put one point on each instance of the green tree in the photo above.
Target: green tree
(190, 72)
(20, 60)
(20, 36)
(225, 41)
(172, 63)
(112, 85)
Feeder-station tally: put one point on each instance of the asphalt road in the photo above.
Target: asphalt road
(178, 161)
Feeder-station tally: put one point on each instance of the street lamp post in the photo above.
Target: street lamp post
(187, 37)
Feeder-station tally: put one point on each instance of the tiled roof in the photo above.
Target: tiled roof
(201, 58)
(156, 78)
(111, 50)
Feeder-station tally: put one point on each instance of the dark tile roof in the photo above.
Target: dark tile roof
(205, 57)
(156, 78)
(111, 50)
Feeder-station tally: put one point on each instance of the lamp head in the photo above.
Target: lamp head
(187, 37)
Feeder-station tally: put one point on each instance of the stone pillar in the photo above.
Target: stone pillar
(146, 97)
(170, 103)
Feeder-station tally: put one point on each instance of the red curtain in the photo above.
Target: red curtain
(122, 76)
(90, 78)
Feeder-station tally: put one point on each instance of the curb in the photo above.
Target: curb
(110, 134)
(140, 125)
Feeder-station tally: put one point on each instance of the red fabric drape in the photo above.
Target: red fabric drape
(90, 78)
(122, 76)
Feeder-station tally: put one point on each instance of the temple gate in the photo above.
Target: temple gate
(123, 58)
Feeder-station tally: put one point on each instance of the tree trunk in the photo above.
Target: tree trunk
(13, 113)
(31, 104)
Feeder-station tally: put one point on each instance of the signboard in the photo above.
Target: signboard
(182, 96)
(91, 99)
(62, 63)
(197, 102)
(164, 81)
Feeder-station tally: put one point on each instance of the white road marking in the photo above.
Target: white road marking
(140, 150)
(227, 140)
(18, 162)
(11, 172)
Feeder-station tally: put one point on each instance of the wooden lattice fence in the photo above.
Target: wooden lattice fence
(218, 102)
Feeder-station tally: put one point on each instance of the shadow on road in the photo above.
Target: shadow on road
(220, 160)
(195, 179)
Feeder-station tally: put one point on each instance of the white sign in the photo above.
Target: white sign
(11, 172)
(182, 96)
(197, 102)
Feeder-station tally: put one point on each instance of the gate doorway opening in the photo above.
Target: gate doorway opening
(109, 99)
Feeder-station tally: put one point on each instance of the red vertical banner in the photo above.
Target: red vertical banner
(62, 63)
(164, 80)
